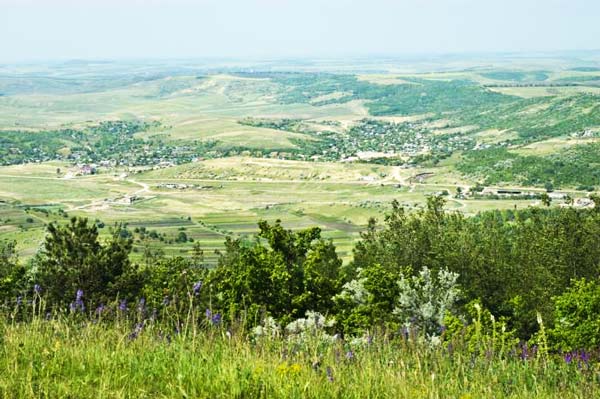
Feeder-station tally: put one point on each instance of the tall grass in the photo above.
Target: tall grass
(76, 356)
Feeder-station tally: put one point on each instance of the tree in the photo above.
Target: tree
(545, 198)
(297, 271)
(12, 274)
(74, 259)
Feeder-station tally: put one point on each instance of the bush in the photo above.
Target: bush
(577, 317)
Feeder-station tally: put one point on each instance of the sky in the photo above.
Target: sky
(128, 29)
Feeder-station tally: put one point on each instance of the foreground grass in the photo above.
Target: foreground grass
(64, 358)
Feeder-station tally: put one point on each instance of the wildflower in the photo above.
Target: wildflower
(350, 355)
(215, 319)
(208, 313)
(295, 368)
(141, 305)
(100, 309)
(123, 305)
(79, 301)
(136, 331)
(37, 289)
(197, 287)
(568, 358)
(583, 357)
(329, 373)
(524, 355)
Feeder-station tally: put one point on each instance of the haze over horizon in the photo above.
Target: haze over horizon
(34, 30)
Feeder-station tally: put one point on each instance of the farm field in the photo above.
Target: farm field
(223, 150)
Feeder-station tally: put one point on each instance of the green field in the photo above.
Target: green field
(285, 164)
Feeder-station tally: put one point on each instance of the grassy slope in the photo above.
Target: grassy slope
(62, 358)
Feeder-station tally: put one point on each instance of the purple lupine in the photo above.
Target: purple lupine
(329, 373)
(100, 309)
(405, 333)
(136, 331)
(197, 287)
(583, 357)
(568, 357)
(37, 289)
(350, 355)
(123, 305)
(524, 355)
(208, 313)
(215, 319)
(79, 301)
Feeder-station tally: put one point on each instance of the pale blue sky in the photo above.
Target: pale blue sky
(64, 29)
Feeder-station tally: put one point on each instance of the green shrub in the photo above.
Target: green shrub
(577, 317)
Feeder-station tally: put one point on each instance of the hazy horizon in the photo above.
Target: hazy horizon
(36, 30)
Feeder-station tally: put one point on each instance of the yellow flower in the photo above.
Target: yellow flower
(282, 369)
(295, 368)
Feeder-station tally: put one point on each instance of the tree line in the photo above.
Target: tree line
(519, 266)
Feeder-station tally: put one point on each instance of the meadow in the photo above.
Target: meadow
(67, 356)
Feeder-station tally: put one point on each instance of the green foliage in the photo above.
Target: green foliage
(477, 329)
(577, 316)
(297, 272)
(172, 280)
(74, 259)
(570, 167)
(12, 274)
(513, 261)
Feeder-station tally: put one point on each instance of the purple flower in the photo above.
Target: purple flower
(136, 331)
(197, 287)
(350, 355)
(216, 319)
(208, 314)
(583, 357)
(79, 301)
(123, 305)
(329, 372)
(568, 358)
(37, 289)
(100, 309)
(524, 355)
